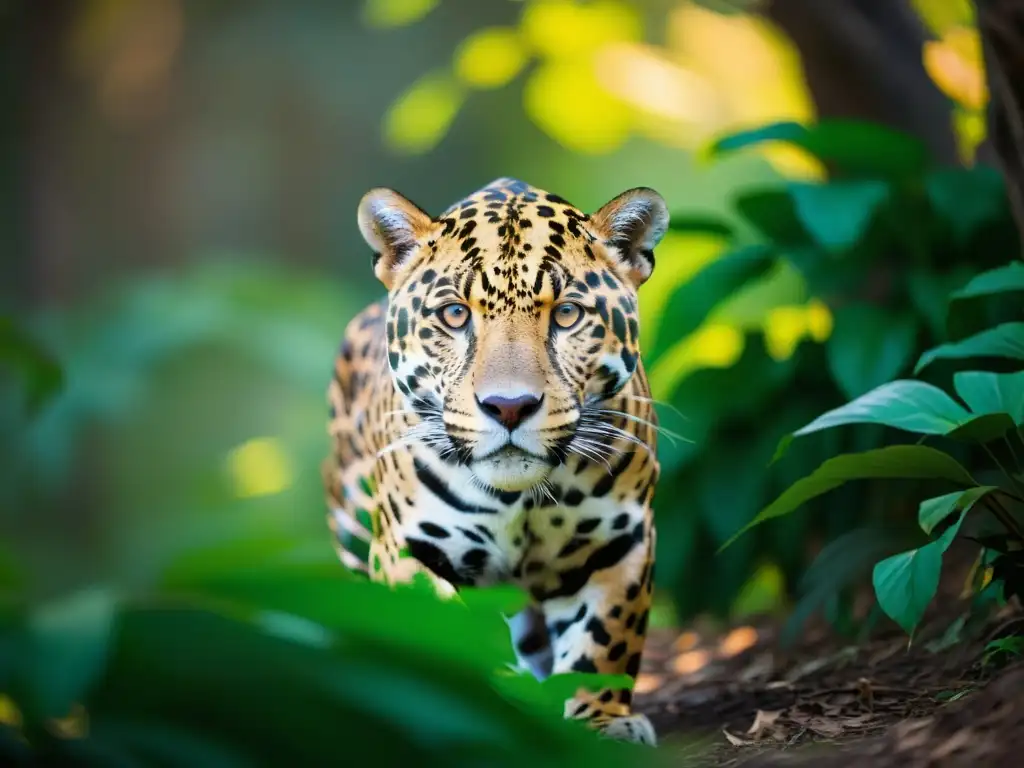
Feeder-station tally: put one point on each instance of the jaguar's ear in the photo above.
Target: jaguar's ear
(391, 226)
(633, 223)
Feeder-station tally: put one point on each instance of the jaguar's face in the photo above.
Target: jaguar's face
(509, 317)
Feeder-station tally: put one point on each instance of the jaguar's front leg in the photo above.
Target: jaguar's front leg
(602, 627)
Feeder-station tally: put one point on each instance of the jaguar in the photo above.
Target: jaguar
(491, 422)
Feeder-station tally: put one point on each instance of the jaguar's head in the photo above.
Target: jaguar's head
(509, 315)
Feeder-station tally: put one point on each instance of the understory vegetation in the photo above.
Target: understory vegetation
(238, 639)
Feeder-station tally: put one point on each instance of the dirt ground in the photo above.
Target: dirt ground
(737, 698)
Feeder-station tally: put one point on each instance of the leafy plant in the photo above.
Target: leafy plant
(887, 243)
(988, 415)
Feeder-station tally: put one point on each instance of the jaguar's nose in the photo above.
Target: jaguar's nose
(510, 412)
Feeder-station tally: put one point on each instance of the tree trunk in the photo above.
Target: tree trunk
(862, 60)
(1001, 24)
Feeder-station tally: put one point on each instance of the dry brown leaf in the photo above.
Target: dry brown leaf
(763, 721)
(737, 741)
(955, 742)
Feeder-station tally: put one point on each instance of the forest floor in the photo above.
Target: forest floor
(739, 698)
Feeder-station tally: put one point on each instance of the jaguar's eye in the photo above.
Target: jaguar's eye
(567, 315)
(455, 316)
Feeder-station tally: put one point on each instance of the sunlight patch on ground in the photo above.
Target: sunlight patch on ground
(737, 641)
(646, 682)
(690, 662)
(686, 641)
(259, 467)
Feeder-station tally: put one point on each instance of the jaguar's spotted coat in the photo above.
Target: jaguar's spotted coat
(492, 422)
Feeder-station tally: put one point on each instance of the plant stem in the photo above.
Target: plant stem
(1009, 476)
(1013, 451)
(1005, 517)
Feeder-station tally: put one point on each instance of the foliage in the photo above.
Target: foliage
(256, 649)
(991, 417)
(285, 660)
(886, 243)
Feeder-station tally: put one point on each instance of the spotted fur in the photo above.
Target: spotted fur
(517, 447)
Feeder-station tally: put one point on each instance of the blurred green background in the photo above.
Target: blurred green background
(180, 181)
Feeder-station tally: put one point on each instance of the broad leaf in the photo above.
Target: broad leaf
(704, 225)
(69, 642)
(992, 393)
(837, 214)
(693, 301)
(906, 583)
(913, 406)
(983, 429)
(1006, 340)
(1009, 277)
(773, 214)
(967, 198)
(931, 512)
(856, 148)
(869, 347)
(910, 462)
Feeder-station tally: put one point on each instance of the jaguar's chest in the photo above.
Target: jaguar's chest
(543, 540)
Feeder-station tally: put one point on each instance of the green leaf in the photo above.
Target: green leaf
(931, 512)
(1006, 340)
(216, 677)
(910, 462)
(504, 599)
(837, 214)
(772, 213)
(856, 148)
(869, 347)
(992, 393)
(909, 405)
(40, 373)
(69, 643)
(967, 198)
(906, 583)
(1009, 277)
(693, 301)
(983, 429)
(704, 225)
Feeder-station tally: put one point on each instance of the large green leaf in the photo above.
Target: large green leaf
(404, 618)
(1009, 277)
(856, 148)
(992, 393)
(967, 198)
(1006, 340)
(837, 214)
(68, 647)
(268, 699)
(911, 462)
(906, 583)
(693, 301)
(913, 406)
(869, 347)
